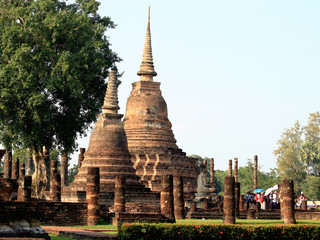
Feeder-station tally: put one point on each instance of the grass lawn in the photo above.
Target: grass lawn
(54, 237)
(195, 221)
(106, 226)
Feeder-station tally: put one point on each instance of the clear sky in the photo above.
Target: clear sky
(234, 73)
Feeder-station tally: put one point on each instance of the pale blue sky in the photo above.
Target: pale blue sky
(233, 73)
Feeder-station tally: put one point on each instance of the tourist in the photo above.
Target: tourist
(302, 198)
(274, 201)
(263, 201)
(248, 198)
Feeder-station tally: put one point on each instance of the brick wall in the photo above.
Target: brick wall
(48, 213)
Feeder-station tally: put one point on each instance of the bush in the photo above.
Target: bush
(204, 231)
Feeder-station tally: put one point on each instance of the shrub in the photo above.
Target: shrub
(205, 231)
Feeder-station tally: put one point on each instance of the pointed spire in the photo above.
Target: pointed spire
(110, 104)
(147, 71)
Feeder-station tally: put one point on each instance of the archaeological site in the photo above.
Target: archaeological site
(131, 171)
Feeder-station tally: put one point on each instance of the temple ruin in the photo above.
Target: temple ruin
(108, 151)
(151, 142)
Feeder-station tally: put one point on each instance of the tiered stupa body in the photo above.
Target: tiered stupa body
(150, 138)
(108, 150)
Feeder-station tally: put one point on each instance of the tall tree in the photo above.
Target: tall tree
(54, 59)
(288, 152)
(310, 151)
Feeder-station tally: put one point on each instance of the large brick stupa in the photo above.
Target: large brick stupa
(150, 138)
(108, 150)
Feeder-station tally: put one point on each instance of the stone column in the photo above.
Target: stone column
(236, 169)
(20, 181)
(288, 201)
(81, 157)
(7, 166)
(211, 171)
(255, 175)
(64, 169)
(25, 194)
(237, 198)
(29, 164)
(230, 167)
(237, 187)
(242, 202)
(166, 196)
(178, 199)
(15, 169)
(22, 170)
(46, 157)
(93, 196)
(55, 182)
(120, 194)
(228, 201)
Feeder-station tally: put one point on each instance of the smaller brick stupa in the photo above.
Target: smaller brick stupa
(108, 150)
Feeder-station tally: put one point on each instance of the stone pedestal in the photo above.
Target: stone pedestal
(7, 166)
(93, 198)
(81, 157)
(24, 195)
(287, 209)
(15, 169)
(229, 201)
(178, 198)
(304, 205)
(55, 182)
(166, 200)
(119, 194)
(64, 169)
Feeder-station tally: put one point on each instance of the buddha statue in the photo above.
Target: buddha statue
(202, 183)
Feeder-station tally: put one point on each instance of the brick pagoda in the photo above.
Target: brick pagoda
(150, 138)
(108, 150)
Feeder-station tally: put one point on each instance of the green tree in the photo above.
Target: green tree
(72, 172)
(265, 179)
(54, 59)
(219, 180)
(309, 155)
(288, 153)
(310, 149)
(310, 187)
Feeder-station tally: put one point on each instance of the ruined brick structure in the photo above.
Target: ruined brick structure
(287, 208)
(108, 151)
(150, 138)
(229, 201)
